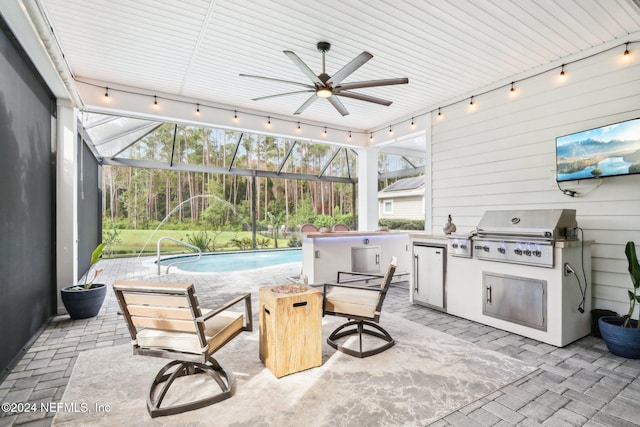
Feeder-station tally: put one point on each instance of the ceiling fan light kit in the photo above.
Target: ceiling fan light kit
(330, 87)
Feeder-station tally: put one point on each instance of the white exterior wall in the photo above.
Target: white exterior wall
(502, 156)
(404, 208)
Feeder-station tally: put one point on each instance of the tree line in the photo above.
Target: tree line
(140, 198)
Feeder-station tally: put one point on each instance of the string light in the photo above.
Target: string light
(626, 51)
(513, 91)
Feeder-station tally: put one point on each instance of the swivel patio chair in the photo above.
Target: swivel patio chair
(359, 298)
(165, 320)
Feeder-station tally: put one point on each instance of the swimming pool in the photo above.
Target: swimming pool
(235, 261)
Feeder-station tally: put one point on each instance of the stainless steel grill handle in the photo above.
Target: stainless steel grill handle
(415, 269)
(488, 294)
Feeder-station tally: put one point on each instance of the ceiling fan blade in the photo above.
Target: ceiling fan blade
(277, 80)
(372, 83)
(282, 94)
(363, 97)
(345, 71)
(306, 104)
(338, 105)
(303, 67)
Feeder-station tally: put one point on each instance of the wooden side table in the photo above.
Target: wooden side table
(290, 328)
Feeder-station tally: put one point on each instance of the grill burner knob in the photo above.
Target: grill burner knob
(502, 250)
(518, 251)
(527, 252)
(454, 245)
(537, 253)
(463, 246)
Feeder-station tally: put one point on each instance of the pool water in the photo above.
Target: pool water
(236, 261)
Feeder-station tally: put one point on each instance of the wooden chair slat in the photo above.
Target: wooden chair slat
(164, 324)
(157, 300)
(160, 312)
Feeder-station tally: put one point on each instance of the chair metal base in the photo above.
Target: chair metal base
(358, 327)
(164, 379)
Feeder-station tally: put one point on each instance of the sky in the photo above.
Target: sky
(629, 130)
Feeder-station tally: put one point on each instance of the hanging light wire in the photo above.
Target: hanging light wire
(440, 114)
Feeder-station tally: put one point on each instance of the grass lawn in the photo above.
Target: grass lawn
(132, 241)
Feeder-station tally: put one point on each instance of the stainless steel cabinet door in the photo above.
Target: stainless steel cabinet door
(428, 275)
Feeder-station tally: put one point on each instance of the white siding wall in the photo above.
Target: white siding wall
(404, 208)
(502, 156)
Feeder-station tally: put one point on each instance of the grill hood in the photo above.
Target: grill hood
(549, 224)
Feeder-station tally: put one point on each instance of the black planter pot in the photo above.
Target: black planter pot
(83, 303)
(624, 342)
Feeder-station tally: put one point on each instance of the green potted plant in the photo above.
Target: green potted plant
(622, 334)
(85, 299)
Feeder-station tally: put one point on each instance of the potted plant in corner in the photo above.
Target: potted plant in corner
(622, 334)
(85, 300)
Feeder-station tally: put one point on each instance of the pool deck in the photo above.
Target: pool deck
(580, 384)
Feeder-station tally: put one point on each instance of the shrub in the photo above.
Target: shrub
(200, 239)
(401, 224)
(294, 242)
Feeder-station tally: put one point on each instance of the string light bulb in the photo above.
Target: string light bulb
(235, 115)
(512, 91)
(413, 123)
(562, 73)
(626, 51)
(155, 101)
(298, 128)
(472, 105)
(371, 136)
(440, 115)
(268, 120)
(325, 131)
(106, 93)
(349, 137)
(198, 109)
(390, 130)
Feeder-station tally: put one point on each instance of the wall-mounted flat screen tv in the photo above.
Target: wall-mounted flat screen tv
(610, 150)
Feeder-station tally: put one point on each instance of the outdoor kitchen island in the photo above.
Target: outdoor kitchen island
(525, 272)
(324, 254)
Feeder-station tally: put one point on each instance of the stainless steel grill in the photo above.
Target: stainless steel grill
(523, 236)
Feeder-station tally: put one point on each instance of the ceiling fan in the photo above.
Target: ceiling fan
(330, 87)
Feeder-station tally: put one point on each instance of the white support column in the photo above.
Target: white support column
(367, 188)
(66, 198)
(428, 176)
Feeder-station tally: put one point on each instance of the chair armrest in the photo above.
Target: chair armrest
(248, 315)
(359, 276)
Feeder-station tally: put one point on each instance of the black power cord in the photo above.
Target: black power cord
(583, 292)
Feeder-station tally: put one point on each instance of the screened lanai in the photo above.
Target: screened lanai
(263, 161)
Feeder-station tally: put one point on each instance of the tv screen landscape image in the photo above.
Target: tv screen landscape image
(610, 150)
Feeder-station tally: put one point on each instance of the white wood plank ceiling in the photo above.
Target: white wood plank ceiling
(198, 48)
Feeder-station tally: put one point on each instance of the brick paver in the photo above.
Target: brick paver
(580, 384)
